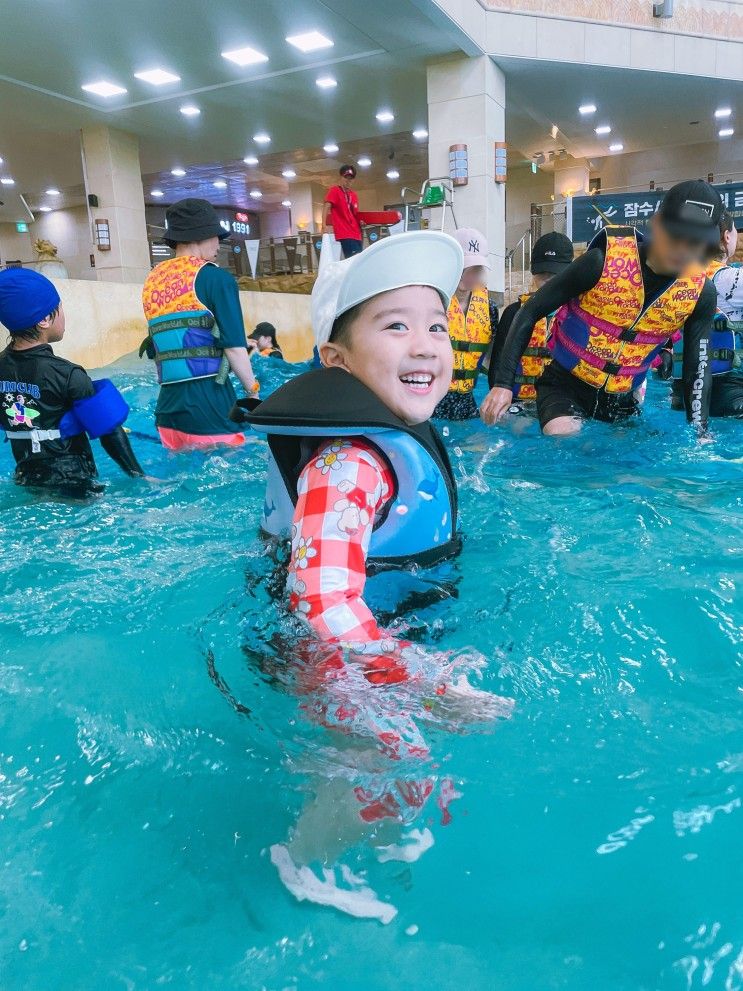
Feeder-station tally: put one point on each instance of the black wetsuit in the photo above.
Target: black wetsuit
(559, 392)
(36, 389)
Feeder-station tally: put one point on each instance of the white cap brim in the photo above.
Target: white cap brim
(418, 258)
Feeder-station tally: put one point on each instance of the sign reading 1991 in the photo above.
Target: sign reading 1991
(238, 226)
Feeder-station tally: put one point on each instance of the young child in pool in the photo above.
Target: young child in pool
(49, 406)
(362, 479)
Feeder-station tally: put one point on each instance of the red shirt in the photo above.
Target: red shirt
(344, 205)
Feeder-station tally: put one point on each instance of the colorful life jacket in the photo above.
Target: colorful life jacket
(726, 338)
(419, 524)
(535, 359)
(183, 333)
(470, 335)
(609, 336)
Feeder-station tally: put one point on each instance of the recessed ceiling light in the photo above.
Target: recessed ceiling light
(256, 194)
(157, 192)
(420, 133)
(7, 181)
(158, 77)
(245, 56)
(310, 41)
(189, 110)
(616, 147)
(603, 129)
(385, 116)
(326, 82)
(726, 132)
(364, 162)
(250, 160)
(103, 88)
(52, 192)
(289, 174)
(45, 209)
(330, 148)
(723, 112)
(587, 108)
(220, 184)
(262, 138)
(178, 172)
(393, 174)
(286, 202)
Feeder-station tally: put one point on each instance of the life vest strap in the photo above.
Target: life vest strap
(468, 346)
(464, 374)
(537, 353)
(204, 321)
(527, 379)
(35, 436)
(200, 352)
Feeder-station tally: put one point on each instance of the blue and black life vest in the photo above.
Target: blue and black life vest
(420, 521)
(726, 339)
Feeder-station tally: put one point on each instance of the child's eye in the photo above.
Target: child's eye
(397, 326)
(439, 328)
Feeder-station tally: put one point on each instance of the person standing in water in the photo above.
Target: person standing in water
(196, 333)
(551, 255)
(618, 305)
(341, 213)
(49, 407)
(472, 320)
(727, 331)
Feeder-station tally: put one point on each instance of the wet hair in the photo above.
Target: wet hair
(727, 224)
(32, 333)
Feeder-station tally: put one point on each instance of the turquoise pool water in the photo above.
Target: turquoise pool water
(151, 754)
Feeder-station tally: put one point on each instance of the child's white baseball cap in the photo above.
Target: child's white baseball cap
(474, 245)
(418, 258)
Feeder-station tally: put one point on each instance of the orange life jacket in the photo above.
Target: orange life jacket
(535, 359)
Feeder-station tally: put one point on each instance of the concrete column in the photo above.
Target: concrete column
(112, 173)
(466, 105)
(307, 205)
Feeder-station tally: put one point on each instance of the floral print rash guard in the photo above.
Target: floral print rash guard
(342, 491)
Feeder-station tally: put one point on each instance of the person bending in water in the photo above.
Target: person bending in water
(472, 319)
(550, 256)
(727, 333)
(363, 480)
(617, 307)
(263, 341)
(50, 406)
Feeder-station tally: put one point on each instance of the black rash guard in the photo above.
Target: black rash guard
(582, 275)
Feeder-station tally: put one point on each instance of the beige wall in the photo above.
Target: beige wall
(67, 229)
(105, 320)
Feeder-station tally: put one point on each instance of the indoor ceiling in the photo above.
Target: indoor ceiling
(378, 59)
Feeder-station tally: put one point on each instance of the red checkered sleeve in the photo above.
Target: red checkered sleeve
(342, 491)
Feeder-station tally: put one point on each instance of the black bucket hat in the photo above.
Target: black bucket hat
(193, 220)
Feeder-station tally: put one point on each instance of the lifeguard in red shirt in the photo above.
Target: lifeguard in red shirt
(342, 213)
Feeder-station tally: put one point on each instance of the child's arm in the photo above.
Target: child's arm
(341, 490)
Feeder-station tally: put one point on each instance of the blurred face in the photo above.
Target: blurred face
(730, 242)
(346, 181)
(472, 278)
(668, 255)
(399, 347)
(264, 342)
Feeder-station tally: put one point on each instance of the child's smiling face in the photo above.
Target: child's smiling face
(398, 346)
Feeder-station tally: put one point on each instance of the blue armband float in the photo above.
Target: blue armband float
(96, 415)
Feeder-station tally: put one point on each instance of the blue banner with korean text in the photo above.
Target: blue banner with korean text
(587, 215)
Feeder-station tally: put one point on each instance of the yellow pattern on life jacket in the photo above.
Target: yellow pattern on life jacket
(470, 335)
(714, 267)
(611, 356)
(171, 287)
(535, 359)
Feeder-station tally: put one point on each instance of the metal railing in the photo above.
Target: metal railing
(522, 274)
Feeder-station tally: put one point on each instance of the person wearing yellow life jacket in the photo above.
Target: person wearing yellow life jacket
(472, 323)
(727, 331)
(196, 335)
(618, 305)
(550, 255)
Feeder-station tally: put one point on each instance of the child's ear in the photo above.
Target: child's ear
(333, 356)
